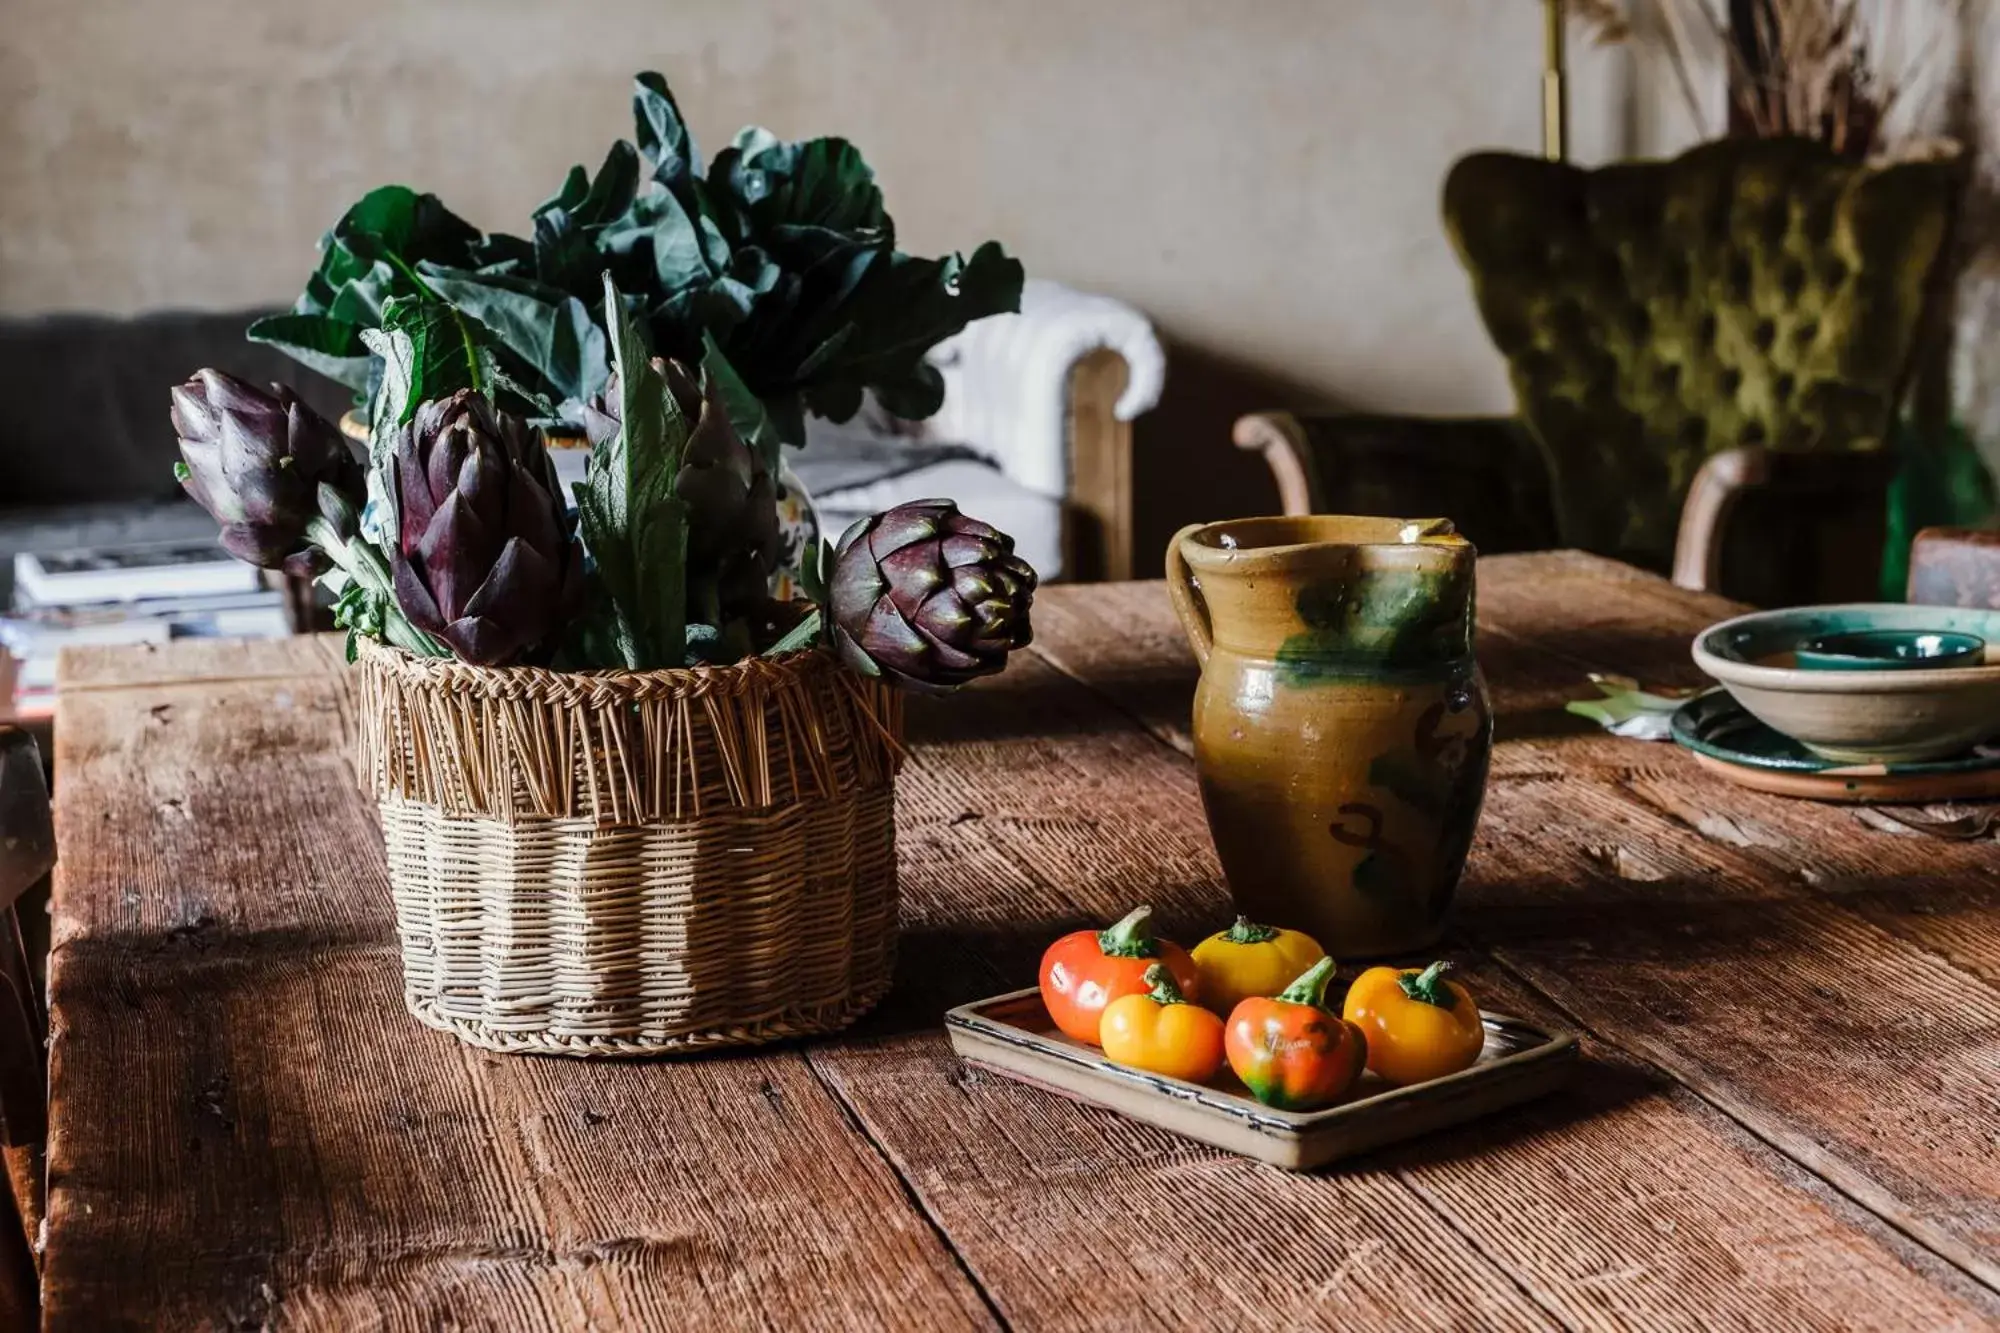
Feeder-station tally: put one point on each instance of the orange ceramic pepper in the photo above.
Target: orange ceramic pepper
(1418, 1025)
(1161, 1033)
(1292, 1052)
(1086, 970)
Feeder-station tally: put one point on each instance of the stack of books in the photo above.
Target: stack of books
(142, 593)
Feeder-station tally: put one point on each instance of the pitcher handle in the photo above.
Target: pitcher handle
(1188, 604)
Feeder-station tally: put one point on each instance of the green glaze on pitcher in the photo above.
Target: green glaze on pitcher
(1341, 727)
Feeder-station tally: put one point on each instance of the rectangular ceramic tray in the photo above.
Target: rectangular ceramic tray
(1013, 1035)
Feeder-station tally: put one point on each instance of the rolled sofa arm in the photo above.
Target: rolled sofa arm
(1007, 379)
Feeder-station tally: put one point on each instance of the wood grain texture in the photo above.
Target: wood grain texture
(248, 1129)
(151, 664)
(1626, 1202)
(1826, 984)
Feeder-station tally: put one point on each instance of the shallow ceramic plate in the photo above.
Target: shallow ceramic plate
(1012, 1035)
(1727, 740)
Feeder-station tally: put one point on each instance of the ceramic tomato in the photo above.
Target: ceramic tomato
(1086, 970)
(1292, 1052)
(1161, 1033)
(1418, 1025)
(1249, 959)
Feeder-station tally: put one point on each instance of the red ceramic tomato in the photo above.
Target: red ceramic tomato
(1088, 969)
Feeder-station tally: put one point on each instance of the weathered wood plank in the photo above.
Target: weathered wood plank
(247, 1129)
(1028, 810)
(370, 1171)
(1904, 1086)
(103, 667)
(1595, 850)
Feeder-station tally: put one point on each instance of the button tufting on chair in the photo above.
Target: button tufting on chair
(1847, 248)
(1674, 279)
(1792, 278)
(1777, 221)
(1739, 278)
(1678, 334)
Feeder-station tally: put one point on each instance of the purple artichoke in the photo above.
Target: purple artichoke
(485, 556)
(255, 461)
(733, 530)
(927, 597)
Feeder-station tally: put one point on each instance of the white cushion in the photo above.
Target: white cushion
(981, 491)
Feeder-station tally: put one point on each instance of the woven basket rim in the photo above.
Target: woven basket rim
(622, 747)
(532, 681)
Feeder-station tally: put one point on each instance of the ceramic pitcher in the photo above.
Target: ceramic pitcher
(1341, 727)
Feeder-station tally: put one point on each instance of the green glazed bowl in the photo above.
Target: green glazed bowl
(1891, 650)
(1865, 714)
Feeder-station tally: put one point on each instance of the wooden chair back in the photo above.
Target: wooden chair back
(1485, 474)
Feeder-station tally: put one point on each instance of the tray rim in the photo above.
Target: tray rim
(1555, 1046)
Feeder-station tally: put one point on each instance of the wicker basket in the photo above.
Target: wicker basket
(629, 863)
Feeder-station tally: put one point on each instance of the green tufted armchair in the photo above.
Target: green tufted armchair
(1707, 354)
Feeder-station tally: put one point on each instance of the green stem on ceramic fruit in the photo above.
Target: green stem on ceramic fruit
(1245, 931)
(1311, 986)
(1130, 937)
(1428, 986)
(1162, 987)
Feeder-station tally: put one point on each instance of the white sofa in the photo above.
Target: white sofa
(1034, 436)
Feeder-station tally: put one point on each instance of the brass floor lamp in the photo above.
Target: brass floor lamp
(1555, 97)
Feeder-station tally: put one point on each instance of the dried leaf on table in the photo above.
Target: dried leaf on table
(1628, 710)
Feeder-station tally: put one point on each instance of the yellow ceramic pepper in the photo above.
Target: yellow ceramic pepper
(1249, 960)
(1161, 1032)
(1419, 1026)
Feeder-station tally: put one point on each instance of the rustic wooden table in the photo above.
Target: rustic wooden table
(1789, 1113)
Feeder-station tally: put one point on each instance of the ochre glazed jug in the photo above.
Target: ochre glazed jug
(1341, 727)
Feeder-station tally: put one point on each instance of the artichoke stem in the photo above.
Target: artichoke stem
(360, 561)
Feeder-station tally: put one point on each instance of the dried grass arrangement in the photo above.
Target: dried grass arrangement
(1821, 75)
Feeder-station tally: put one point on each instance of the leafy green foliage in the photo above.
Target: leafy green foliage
(445, 352)
(369, 257)
(553, 335)
(779, 264)
(662, 133)
(633, 523)
(746, 410)
(805, 634)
